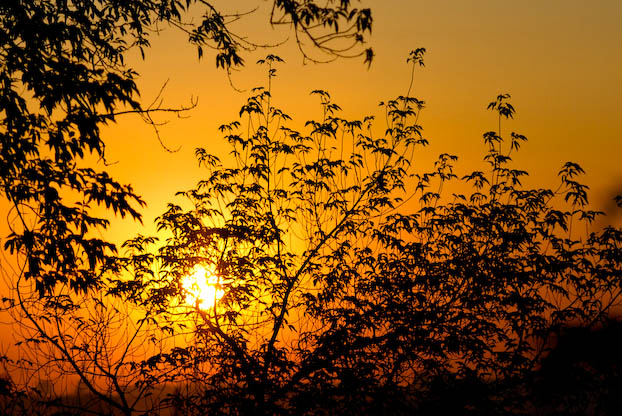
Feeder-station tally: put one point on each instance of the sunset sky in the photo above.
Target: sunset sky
(321, 294)
(560, 60)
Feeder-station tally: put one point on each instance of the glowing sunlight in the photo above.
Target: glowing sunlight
(202, 288)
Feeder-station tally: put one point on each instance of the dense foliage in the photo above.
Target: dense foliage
(351, 281)
(63, 76)
(354, 285)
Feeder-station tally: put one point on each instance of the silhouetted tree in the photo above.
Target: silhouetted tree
(353, 285)
(63, 75)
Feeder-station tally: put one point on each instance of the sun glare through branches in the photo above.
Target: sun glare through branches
(202, 288)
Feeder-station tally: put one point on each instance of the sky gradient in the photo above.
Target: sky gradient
(560, 61)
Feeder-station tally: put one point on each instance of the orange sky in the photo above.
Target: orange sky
(559, 59)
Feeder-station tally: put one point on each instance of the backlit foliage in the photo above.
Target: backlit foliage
(353, 284)
(63, 76)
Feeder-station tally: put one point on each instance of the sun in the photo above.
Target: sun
(202, 288)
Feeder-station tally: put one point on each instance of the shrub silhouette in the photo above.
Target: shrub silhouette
(340, 298)
(353, 284)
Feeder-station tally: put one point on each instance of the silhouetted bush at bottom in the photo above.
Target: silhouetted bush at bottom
(580, 375)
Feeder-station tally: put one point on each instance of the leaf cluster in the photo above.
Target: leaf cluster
(354, 284)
